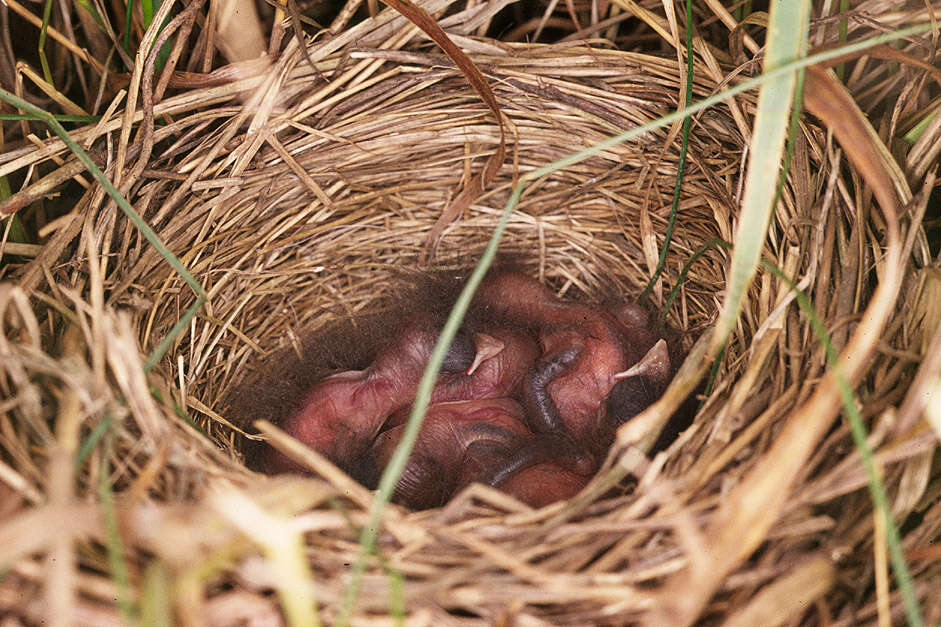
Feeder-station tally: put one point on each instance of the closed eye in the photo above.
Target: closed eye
(460, 354)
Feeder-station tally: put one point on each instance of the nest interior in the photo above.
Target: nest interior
(296, 202)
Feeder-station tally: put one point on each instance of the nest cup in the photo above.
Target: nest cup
(280, 263)
(314, 214)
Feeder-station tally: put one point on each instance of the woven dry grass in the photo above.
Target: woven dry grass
(297, 201)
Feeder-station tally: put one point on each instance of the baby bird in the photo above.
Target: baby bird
(504, 355)
(543, 483)
(527, 399)
(459, 442)
(640, 385)
(585, 351)
(485, 441)
(341, 414)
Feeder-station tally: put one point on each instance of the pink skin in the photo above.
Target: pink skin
(584, 350)
(580, 390)
(635, 328)
(459, 443)
(542, 484)
(487, 441)
(342, 414)
(473, 430)
(504, 357)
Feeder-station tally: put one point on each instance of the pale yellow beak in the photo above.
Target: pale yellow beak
(654, 365)
(487, 347)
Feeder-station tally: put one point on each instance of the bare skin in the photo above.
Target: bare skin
(528, 397)
(485, 441)
(551, 464)
(501, 361)
(640, 385)
(579, 390)
(459, 443)
(342, 414)
(542, 484)
(505, 356)
(583, 350)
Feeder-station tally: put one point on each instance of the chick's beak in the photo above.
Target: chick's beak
(655, 364)
(487, 347)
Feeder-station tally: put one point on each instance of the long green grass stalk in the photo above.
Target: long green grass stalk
(857, 427)
(113, 542)
(396, 465)
(787, 41)
(877, 491)
(61, 117)
(43, 61)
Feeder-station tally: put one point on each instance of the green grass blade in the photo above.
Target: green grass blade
(43, 61)
(422, 399)
(786, 42)
(844, 29)
(87, 6)
(128, 23)
(170, 337)
(918, 130)
(681, 278)
(128, 210)
(61, 117)
(113, 542)
(681, 165)
(156, 606)
(92, 440)
(147, 10)
(877, 491)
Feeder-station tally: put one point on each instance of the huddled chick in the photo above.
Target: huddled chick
(527, 400)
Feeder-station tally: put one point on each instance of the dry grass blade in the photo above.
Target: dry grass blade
(787, 597)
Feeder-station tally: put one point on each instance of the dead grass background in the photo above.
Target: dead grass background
(296, 197)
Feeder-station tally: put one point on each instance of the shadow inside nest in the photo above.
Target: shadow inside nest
(530, 393)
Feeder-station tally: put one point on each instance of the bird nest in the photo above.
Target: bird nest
(298, 197)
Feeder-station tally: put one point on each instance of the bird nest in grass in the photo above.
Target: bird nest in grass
(298, 198)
